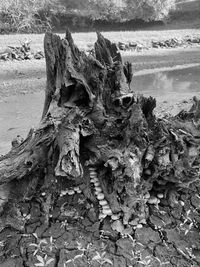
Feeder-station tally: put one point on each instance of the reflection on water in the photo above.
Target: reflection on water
(182, 81)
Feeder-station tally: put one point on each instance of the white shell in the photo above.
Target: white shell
(76, 188)
(153, 200)
(102, 216)
(147, 195)
(139, 226)
(97, 184)
(98, 189)
(115, 217)
(92, 169)
(143, 221)
(71, 192)
(103, 202)
(100, 196)
(107, 211)
(160, 195)
(106, 207)
(93, 175)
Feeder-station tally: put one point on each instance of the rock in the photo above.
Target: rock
(94, 227)
(17, 262)
(133, 45)
(117, 226)
(122, 46)
(125, 248)
(147, 235)
(119, 261)
(92, 215)
(156, 221)
(86, 222)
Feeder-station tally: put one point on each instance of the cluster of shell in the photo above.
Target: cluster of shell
(105, 209)
(70, 191)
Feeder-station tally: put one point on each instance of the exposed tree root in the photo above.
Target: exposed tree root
(101, 181)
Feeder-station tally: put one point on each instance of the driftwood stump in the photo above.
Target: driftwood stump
(101, 181)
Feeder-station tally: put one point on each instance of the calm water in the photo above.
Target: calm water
(19, 114)
(179, 82)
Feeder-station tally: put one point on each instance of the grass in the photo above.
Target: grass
(85, 39)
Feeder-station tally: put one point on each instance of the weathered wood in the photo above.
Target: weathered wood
(92, 118)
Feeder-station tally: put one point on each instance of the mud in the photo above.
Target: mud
(76, 237)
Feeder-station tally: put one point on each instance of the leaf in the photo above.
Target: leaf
(108, 261)
(35, 252)
(43, 241)
(40, 258)
(35, 235)
(49, 261)
(33, 245)
(78, 256)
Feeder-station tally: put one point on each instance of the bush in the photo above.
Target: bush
(26, 15)
(149, 10)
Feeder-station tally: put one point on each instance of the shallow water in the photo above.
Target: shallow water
(19, 113)
(180, 83)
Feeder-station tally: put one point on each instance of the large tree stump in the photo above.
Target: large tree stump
(101, 173)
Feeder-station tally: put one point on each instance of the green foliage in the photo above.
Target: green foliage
(38, 15)
(104, 10)
(25, 15)
(74, 4)
(149, 9)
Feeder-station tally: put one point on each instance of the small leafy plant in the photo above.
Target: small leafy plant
(101, 258)
(43, 261)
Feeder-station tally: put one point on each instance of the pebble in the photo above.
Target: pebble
(97, 184)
